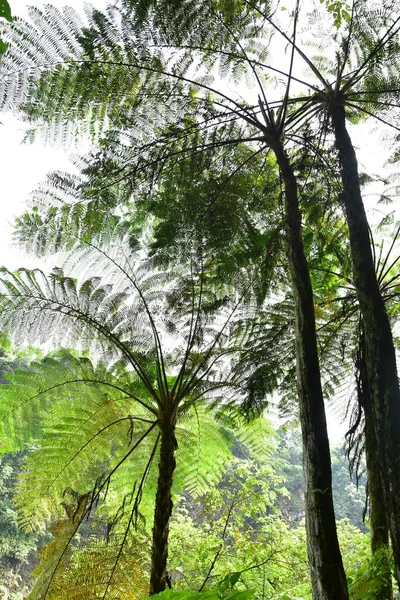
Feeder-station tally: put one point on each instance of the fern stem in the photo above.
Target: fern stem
(163, 505)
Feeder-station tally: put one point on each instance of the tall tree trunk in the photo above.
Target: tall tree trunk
(163, 506)
(327, 573)
(380, 352)
(378, 520)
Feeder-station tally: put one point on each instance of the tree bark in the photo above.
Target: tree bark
(378, 520)
(327, 572)
(380, 352)
(163, 505)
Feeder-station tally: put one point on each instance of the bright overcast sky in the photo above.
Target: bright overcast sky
(23, 166)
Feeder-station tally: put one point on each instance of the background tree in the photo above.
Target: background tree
(18, 548)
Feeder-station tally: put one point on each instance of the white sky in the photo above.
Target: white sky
(23, 166)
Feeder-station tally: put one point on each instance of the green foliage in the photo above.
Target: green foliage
(14, 543)
(55, 553)
(373, 577)
(185, 147)
(17, 548)
(236, 529)
(5, 13)
(96, 424)
(349, 499)
(341, 11)
(5, 10)
(92, 438)
(221, 594)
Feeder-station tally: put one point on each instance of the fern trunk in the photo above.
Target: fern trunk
(163, 505)
(327, 572)
(378, 521)
(379, 348)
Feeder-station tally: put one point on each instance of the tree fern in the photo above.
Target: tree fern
(99, 425)
(345, 337)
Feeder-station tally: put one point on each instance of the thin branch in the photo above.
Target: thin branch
(291, 42)
(317, 152)
(285, 100)
(96, 492)
(66, 465)
(377, 102)
(194, 324)
(213, 562)
(373, 92)
(381, 275)
(46, 591)
(389, 34)
(388, 285)
(160, 357)
(347, 45)
(252, 67)
(233, 55)
(370, 114)
(87, 381)
(193, 378)
(329, 271)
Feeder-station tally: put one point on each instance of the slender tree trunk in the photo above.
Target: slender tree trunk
(163, 506)
(378, 520)
(380, 352)
(327, 573)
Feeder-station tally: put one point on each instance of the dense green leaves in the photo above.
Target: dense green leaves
(5, 10)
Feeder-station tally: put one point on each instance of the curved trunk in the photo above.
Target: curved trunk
(163, 505)
(327, 573)
(378, 520)
(380, 353)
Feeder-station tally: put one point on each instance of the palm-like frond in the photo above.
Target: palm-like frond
(260, 337)
(86, 568)
(84, 415)
(86, 575)
(197, 469)
(203, 204)
(152, 58)
(77, 78)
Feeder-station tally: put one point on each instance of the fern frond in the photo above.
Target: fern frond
(258, 438)
(203, 451)
(84, 415)
(57, 553)
(86, 567)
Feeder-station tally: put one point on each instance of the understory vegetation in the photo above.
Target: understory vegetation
(247, 530)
